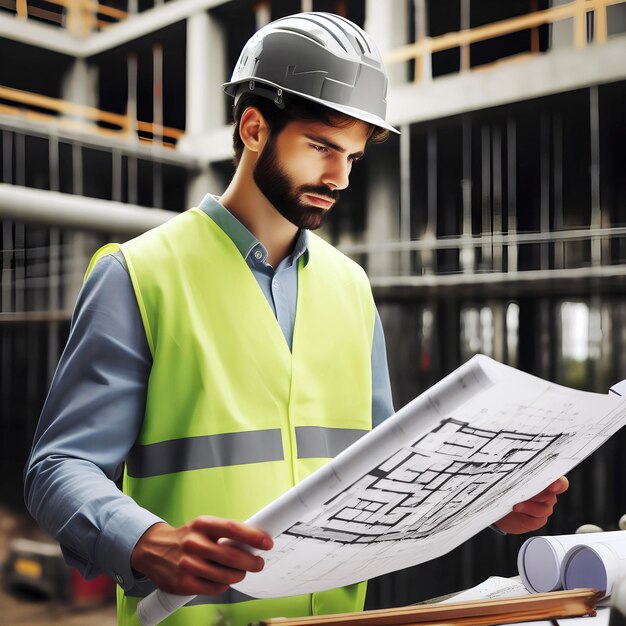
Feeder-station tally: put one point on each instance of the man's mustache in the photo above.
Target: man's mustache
(321, 190)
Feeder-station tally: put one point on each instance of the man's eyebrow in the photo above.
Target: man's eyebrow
(333, 146)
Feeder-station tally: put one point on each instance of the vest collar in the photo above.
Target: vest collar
(243, 239)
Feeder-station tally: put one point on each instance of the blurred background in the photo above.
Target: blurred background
(495, 223)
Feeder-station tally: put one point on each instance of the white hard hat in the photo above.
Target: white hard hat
(322, 57)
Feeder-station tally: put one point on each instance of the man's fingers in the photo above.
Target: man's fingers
(534, 509)
(544, 496)
(550, 493)
(223, 553)
(211, 572)
(217, 528)
(191, 585)
(517, 523)
(196, 559)
(559, 486)
(533, 514)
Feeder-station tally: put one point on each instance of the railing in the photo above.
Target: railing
(495, 257)
(84, 118)
(421, 51)
(80, 17)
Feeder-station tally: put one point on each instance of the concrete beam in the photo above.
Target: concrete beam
(51, 208)
(59, 40)
(146, 22)
(39, 35)
(150, 152)
(498, 278)
(553, 72)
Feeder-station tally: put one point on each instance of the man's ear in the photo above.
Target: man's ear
(253, 129)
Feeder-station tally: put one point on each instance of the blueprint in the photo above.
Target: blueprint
(443, 468)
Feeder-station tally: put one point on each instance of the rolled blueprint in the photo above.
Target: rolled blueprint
(618, 604)
(540, 559)
(597, 566)
(159, 605)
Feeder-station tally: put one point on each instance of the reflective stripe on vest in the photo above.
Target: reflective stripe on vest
(232, 596)
(233, 417)
(191, 453)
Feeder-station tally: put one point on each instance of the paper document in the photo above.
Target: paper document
(493, 587)
(498, 587)
(443, 468)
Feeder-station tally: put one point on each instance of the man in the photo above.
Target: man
(217, 358)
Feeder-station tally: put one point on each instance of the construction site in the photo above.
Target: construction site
(495, 223)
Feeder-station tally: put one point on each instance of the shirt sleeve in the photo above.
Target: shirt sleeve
(89, 422)
(382, 403)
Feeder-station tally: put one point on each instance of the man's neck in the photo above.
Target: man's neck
(246, 202)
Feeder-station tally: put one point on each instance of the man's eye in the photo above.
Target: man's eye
(319, 148)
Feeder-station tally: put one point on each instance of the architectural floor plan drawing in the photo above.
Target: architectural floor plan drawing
(410, 496)
(444, 467)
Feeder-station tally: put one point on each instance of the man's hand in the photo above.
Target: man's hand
(532, 514)
(198, 558)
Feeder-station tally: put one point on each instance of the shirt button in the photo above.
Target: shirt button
(118, 579)
(258, 255)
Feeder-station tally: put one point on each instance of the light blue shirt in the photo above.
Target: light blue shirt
(96, 403)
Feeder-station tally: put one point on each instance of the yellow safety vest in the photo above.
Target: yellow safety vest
(233, 417)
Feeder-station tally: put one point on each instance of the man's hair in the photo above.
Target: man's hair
(296, 109)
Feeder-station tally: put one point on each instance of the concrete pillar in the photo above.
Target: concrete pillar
(207, 180)
(383, 200)
(80, 84)
(205, 100)
(499, 330)
(82, 246)
(388, 23)
(206, 46)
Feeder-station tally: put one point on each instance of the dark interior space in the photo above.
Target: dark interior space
(32, 69)
(113, 76)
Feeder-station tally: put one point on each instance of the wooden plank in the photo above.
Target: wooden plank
(577, 9)
(580, 24)
(21, 9)
(70, 108)
(539, 606)
(62, 106)
(83, 126)
(481, 33)
(103, 9)
(149, 127)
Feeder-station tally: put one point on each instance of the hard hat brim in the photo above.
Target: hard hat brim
(231, 87)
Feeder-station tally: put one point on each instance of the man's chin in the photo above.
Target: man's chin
(313, 219)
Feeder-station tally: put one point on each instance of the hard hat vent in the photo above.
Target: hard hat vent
(319, 56)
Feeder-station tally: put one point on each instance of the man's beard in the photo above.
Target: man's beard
(280, 190)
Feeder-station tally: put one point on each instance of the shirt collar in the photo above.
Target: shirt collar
(245, 241)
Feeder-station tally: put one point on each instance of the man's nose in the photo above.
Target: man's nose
(337, 173)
